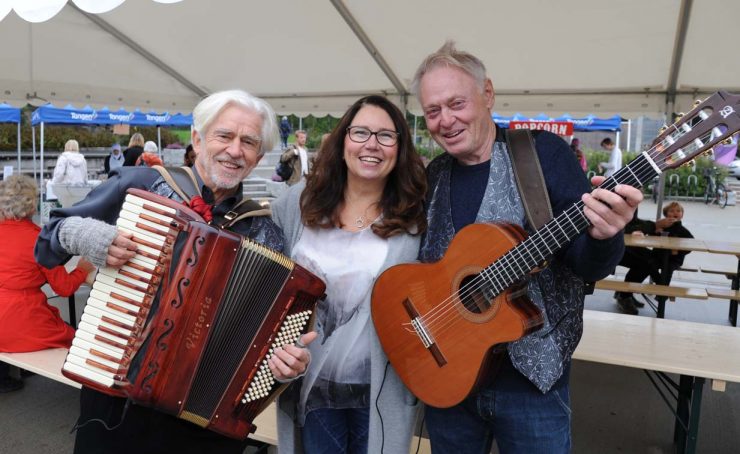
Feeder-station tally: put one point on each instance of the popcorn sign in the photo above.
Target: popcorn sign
(561, 128)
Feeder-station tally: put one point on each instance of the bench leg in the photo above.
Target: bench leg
(733, 312)
(688, 412)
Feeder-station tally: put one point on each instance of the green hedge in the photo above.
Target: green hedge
(594, 157)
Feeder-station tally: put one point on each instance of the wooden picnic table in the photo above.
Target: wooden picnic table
(667, 243)
(729, 248)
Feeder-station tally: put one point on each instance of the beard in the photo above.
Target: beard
(221, 181)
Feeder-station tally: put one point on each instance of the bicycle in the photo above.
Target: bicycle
(714, 192)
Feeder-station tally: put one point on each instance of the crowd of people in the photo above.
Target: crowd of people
(367, 194)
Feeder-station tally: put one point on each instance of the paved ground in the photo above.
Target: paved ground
(615, 409)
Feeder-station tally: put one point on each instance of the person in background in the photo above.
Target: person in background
(525, 405)
(285, 130)
(644, 262)
(364, 197)
(297, 157)
(27, 321)
(149, 157)
(114, 159)
(232, 130)
(189, 158)
(71, 167)
(615, 158)
(134, 150)
(575, 145)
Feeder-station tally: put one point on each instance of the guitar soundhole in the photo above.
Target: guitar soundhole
(476, 295)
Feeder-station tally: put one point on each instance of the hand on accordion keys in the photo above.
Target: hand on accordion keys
(121, 250)
(292, 361)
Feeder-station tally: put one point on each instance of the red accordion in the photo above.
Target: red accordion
(187, 326)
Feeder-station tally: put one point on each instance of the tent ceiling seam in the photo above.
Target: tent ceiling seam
(133, 45)
(374, 52)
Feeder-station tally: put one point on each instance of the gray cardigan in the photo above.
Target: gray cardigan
(396, 409)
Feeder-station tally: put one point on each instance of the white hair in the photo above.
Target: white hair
(150, 146)
(449, 56)
(210, 107)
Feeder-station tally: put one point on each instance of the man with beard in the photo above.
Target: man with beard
(232, 131)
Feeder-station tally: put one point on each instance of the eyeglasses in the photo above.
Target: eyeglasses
(361, 134)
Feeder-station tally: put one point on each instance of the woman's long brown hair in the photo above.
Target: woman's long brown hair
(402, 203)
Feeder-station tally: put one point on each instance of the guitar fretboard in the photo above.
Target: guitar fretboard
(559, 231)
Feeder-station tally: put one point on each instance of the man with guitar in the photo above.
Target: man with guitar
(525, 404)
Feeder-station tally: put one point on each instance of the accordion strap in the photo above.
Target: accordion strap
(182, 180)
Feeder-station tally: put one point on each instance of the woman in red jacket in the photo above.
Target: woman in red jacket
(27, 321)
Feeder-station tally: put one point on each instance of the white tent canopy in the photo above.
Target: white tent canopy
(629, 57)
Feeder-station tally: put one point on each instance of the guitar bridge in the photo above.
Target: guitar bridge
(424, 336)
(421, 332)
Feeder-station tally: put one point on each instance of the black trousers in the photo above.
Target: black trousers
(143, 430)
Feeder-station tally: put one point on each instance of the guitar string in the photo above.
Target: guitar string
(427, 318)
(435, 323)
(432, 319)
(662, 161)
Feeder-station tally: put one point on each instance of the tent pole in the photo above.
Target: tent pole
(300, 123)
(41, 168)
(159, 142)
(629, 134)
(33, 147)
(661, 190)
(618, 139)
(19, 147)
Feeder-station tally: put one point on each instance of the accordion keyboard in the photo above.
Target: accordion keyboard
(120, 298)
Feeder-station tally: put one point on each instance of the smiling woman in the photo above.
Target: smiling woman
(363, 197)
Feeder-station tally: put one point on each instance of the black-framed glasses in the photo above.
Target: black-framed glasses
(361, 134)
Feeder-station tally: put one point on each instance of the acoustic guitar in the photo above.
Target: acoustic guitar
(439, 322)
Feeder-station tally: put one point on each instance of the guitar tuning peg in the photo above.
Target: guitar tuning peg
(680, 115)
(663, 129)
(697, 102)
(727, 141)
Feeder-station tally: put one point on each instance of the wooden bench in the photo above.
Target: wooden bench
(672, 292)
(729, 274)
(695, 351)
(48, 363)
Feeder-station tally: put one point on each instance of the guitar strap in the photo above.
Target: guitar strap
(182, 180)
(529, 178)
(531, 182)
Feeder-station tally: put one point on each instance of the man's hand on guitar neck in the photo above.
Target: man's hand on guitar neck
(609, 211)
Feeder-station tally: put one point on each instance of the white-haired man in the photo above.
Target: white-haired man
(232, 130)
(525, 407)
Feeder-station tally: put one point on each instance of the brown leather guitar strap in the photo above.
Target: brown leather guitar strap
(529, 178)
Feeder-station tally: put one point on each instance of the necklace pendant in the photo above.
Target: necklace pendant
(360, 222)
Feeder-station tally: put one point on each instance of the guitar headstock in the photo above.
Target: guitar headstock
(710, 122)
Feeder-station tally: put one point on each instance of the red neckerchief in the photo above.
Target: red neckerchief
(201, 207)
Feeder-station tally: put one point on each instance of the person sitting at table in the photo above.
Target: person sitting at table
(644, 262)
(27, 321)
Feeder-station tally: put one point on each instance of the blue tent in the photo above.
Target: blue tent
(70, 115)
(588, 123)
(10, 114)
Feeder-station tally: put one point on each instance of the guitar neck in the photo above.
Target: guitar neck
(513, 266)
